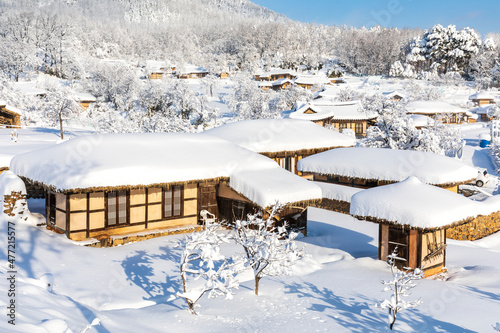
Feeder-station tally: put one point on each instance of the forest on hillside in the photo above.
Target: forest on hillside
(69, 39)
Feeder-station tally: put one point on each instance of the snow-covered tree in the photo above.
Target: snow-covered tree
(497, 327)
(270, 250)
(400, 285)
(204, 269)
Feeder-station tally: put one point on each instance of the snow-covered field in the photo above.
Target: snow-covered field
(333, 289)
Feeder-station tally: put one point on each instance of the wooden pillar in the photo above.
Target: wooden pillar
(383, 241)
(413, 249)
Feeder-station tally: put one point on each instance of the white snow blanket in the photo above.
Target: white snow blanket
(264, 187)
(338, 192)
(418, 205)
(389, 165)
(277, 135)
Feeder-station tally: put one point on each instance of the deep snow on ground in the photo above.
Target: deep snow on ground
(333, 289)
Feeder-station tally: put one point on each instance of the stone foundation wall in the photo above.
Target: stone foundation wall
(9, 204)
(479, 227)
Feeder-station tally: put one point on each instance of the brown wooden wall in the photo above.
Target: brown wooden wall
(87, 215)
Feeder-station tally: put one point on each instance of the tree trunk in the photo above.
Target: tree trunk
(61, 122)
(257, 280)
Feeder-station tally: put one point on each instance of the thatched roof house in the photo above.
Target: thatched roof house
(414, 217)
(339, 115)
(484, 97)
(370, 167)
(284, 140)
(106, 185)
(441, 111)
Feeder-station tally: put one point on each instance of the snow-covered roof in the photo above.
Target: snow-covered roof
(433, 107)
(276, 72)
(10, 108)
(265, 84)
(191, 69)
(135, 159)
(392, 94)
(419, 120)
(414, 204)
(84, 97)
(311, 79)
(127, 160)
(483, 109)
(337, 192)
(264, 187)
(280, 82)
(277, 135)
(389, 165)
(29, 88)
(484, 95)
(319, 110)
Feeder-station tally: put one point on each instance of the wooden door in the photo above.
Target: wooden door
(207, 199)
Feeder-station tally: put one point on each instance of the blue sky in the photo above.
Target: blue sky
(482, 15)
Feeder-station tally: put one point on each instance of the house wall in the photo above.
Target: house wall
(155, 76)
(83, 216)
(352, 125)
(424, 250)
(432, 251)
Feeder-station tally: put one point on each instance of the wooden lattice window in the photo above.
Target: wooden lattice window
(173, 202)
(399, 238)
(358, 128)
(117, 208)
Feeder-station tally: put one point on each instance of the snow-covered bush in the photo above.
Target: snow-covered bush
(400, 285)
(396, 69)
(270, 250)
(204, 269)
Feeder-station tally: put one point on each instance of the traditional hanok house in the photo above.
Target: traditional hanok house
(337, 80)
(276, 74)
(107, 187)
(483, 97)
(338, 115)
(281, 84)
(395, 95)
(85, 99)
(191, 72)
(157, 69)
(9, 115)
(223, 75)
(413, 219)
(440, 111)
(371, 167)
(265, 85)
(286, 141)
(309, 81)
(484, 111)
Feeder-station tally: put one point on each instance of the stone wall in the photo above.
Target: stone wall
(9, 204)
(477, 228)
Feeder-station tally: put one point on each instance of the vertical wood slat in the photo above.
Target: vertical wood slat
(88, 216)
(68, 214)
(146, 201)
(413, 250)
(383, 242)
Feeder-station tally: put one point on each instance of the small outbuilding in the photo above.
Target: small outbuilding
(85, 99)
(371, 167)
(413, 218)
(9, 115)
(286, 141)
(483, 97)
